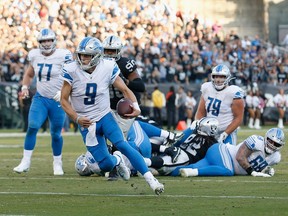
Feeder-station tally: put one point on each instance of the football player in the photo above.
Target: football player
(222, 101)
(113, 50)
(86, 83)
(255, 156)
(191, 150)
(45, 64)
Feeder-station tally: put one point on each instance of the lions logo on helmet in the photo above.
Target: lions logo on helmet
(112, 47)
(81, 166)
(274, 140)
(220, 76)
(207, 126)
(47, 35)
(89, 46)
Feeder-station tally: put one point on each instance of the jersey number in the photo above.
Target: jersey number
(41, 66)
(91, 90)
(214, 106)
(259, 163)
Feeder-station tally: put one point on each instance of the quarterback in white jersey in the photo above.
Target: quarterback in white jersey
(45, 64)
(86, 83)
(254, 156)
(223, 102)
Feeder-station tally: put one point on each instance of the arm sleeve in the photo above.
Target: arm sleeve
(137, 85)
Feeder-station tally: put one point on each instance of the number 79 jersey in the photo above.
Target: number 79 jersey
(258, 159)
(218, 103)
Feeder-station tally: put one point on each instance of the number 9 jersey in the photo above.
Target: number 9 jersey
(218, 103)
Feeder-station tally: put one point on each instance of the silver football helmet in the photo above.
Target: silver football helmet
(207, 126)
(44, 35)
(112, 43)
(89, 46)
(82, 167)
(220, 70)
(274, 140)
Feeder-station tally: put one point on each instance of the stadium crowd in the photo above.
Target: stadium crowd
(168, 46)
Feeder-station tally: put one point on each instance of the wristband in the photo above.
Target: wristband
(24, 87)
(136, 106)
(249, 170)
(77, 119)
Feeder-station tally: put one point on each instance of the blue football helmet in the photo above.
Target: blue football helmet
(221, 70)
(207, 126)
(112, 43)
(274, 140)
(89, 46)
(44, 35)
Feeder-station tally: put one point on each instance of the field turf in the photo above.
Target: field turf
(38, 192)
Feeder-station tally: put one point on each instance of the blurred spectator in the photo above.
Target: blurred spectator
(280, 102)
(171, 108)
(158, 100)
(180, 103)
(250, 109)
(190, 106)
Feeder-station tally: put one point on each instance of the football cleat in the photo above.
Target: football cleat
(24, 166)
(122, 170)
(156, 186)
(57, 168)
(173, 138)
(113, 175)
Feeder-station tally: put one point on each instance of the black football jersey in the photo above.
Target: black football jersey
(126, 66)
(196, 146)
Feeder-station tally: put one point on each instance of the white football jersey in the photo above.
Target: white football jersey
(258, 159)
(48, 70)
(218, 103)
(90, 92)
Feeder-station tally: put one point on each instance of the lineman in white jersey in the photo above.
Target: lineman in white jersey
(86, 82)
(254, 156)
(223, 102)
(45, 64)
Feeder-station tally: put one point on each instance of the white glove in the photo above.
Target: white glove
(57, 97)
(222, 137)
(259, 174)
(269, 170)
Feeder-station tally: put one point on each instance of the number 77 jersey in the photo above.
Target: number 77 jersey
(218, 103)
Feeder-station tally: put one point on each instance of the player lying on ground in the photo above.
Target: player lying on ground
(254, 156)
(192, 150)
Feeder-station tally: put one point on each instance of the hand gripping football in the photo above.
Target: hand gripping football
(124, 106)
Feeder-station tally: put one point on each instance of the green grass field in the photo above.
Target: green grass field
(38, 192)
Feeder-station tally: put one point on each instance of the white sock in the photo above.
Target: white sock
(27, 154)
(118, 159)
(148, 161)
(57, 158)
(148, 176)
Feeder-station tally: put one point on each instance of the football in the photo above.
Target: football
(124, 106)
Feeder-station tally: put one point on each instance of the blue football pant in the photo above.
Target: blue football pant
(40, 109)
